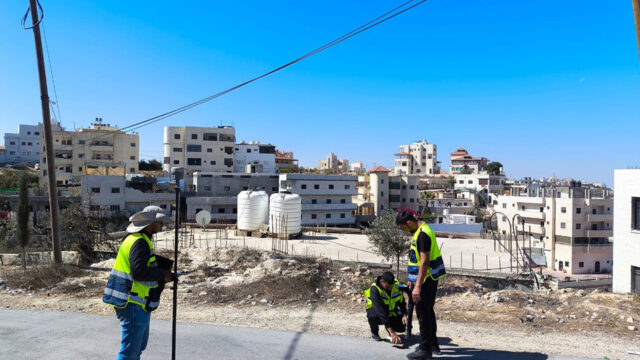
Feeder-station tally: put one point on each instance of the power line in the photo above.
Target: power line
(366, 26)
(53, 82)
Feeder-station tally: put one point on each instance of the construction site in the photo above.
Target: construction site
(315, 284)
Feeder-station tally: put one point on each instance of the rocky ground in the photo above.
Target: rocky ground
(244, 287)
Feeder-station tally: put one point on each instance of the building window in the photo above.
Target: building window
(132, 157)
(578, 210)
(342, 216)
(176, 162)
(209, 150)
(328, 216)
(194, 136)
(95, 190)
(563, 225)
(581, 264)
(194, 148)
(330, 186)
(328, 201)
(248, 150)
(227, 188)
(504, 205)
(635, 213)
(194, 161)
(523, 208)
(314, 201)
(220, 210)
(115, 190)
(133, 144)
(316, 186)
(343, 201)
(314, 216)
(274, 189)
(578, 226)
(347, 187)
(80, 168)
(563, 209)
(177, 149)
(114, 207)
(410, 200)
(381, 193)
(303, 186)
(381, 181)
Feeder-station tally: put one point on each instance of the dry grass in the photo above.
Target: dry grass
(41, 276)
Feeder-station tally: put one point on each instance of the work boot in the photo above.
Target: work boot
(420, 353)
(376, 337)
(435, 350)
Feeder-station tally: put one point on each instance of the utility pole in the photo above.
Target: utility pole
(48, 138)
(636, 16)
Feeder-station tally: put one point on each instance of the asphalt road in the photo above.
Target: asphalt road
(66, 335)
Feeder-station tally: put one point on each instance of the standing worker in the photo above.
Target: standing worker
(386, 306)
(425, 268)
(136, 281)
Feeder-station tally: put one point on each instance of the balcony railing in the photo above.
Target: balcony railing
(600, 233)
(599, 217)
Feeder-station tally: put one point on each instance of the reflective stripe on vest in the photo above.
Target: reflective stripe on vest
(436, 265)
(390, 301)
(121, 287)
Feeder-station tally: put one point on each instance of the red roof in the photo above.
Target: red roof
(379, 169)
(442, 172)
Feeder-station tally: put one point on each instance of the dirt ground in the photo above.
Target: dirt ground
(245, 287)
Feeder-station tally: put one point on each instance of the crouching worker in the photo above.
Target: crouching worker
(386, 306)
(136, 281)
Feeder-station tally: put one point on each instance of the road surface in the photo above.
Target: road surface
(67, 335)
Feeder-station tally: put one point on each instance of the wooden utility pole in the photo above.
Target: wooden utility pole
(48, 138)
(636, 16)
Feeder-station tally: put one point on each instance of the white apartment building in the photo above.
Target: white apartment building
(357, 167)
(23, 146)
(78, 152)
(626, 232)
(461, 162)
(419, 158)
(483, 182)
(218, 193)
(109, 195)
(331, 162)
(254, 157)
(573, 225)
(326, 199)
(208, 149)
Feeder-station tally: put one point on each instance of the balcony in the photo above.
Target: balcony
(600, 233)
(532, 215)
(329, 207)
(101, 146)
(599, 217)
(531, 228)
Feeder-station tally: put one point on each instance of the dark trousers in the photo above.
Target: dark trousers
(426, 315)
(395, 322)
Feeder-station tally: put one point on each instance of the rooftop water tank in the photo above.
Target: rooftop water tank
(253, 210)
(285, 214)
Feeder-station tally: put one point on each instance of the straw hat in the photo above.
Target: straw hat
(146, 217)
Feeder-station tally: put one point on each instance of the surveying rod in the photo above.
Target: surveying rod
(175, 271)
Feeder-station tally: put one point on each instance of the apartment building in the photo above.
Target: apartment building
(446, 203)
(253, 157)
(483, 182)
(108, 195)
(574, 225)
(207, 149)
(285, 160)
(326, 199)
(462, 162)
(357, 167)
(384, 191)
(78, 152)
(218, 193)
(23, 146)
(626, 247)
(419, 158)
(331, 162)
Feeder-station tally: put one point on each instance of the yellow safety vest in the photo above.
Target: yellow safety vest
(391, 301)
(436, 266)
(122, 288)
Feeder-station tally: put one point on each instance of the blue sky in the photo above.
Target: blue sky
(545, 87)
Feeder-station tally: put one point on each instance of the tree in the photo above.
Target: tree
(388, 238)
(425, 196)
(22, 230)
(150, 165)
(10, 178)
(75, 231)
(493, 168)
(466, 170)
(451, 182)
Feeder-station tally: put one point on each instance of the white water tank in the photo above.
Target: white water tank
(253, 210)
(285, 213)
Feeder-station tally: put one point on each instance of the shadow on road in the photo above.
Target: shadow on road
(451, 350)
(296, 338)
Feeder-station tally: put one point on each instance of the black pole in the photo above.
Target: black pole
(175, 271)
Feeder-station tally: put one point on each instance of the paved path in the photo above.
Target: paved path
(66, 335)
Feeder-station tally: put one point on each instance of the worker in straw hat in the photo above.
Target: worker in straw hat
(136, 281)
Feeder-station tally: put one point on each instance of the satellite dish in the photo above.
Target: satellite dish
(203, 218)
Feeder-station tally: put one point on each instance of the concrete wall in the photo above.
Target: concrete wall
(214, 155)
(250, 154)
(626, 248)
